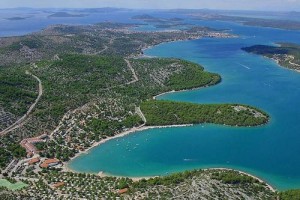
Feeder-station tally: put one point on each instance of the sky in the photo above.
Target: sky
(276, 5)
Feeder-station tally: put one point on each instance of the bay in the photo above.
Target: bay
(270, 152)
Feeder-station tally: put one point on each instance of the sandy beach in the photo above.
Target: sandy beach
(173, 91)
(130, 131)
(142, 128)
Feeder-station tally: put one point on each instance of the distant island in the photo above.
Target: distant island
(176, 19)
(161, 22)
(65, 14)
(16, 18)
(287, 55)
(145, 17)
(251, 21)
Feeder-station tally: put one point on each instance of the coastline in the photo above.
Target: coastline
(270, 187)
(142, 127)
(141, 51)
(102, 174)
(185, 90)
(245, 173)
(174, 91)
(277, 61)
(66, 168)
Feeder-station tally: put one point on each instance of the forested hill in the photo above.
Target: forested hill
(89, 92)
(170, 113)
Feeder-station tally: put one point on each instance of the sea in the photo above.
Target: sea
(271, 152)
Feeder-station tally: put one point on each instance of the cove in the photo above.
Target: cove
(270, 152)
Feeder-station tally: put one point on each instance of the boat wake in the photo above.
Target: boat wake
(244, 66)
(189, 160)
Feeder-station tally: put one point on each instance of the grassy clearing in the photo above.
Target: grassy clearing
(12, 186)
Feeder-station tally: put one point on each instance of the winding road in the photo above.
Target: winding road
(292, 58)
(21, 121)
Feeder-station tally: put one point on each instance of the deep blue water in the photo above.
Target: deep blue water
(270, 152)
(38, 19)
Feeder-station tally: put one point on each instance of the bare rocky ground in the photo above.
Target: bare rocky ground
(195, 185)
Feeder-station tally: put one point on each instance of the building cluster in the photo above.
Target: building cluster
(49, 163)
(28, 144)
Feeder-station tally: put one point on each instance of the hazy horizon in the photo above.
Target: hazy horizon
(246, 5)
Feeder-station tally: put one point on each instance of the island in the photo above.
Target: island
(83, 85)
(161, 22)
(147, 18)
(65, 14)
(250, 21)
(16, 18)
(286, 54)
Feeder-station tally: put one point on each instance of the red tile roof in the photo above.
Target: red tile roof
(122, 191)
(47, 163)
(59, 184)
(33, 161)
(28, 143)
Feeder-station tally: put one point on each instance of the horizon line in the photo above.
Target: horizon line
(194, 9)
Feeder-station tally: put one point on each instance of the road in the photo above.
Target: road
(292, 58)
(133, 73)
(141, 114)
(105, 46)
(21, 121)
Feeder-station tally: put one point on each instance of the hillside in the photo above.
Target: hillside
(287, 55)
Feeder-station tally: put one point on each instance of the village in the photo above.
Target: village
(33, 162)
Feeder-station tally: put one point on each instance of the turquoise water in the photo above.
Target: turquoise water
(270, 152)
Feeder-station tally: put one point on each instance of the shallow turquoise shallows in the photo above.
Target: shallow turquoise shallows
(271, 152)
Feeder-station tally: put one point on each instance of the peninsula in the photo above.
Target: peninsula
(286, 55)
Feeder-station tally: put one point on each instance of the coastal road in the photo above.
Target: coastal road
(21, 121)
